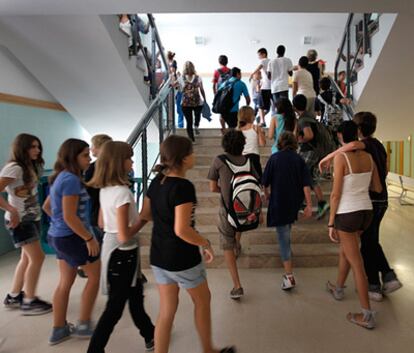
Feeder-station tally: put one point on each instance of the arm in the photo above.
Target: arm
(247, 99)
(307, 135)
(69, 207)
(183, 229)
(375, 185)
(203, 94)
(261, 136)
(145, 215)
(125, 232)
(295, 88)
(352, 146)
(308, 198)
(4, 205)
(214, 186)
(46, 207)
(339, 168)
(255, 71)
(272, 128)
(100, 219)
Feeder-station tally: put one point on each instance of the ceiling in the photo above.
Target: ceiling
(79, 7)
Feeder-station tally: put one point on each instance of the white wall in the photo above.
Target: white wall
(15, 79)
(239, 36)
(390, 88)
(386, 21)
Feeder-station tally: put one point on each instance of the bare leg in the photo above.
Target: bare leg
(343, 268)
(202, 314)
(223, 125)
(287, 265)
(262, 116)
(350, 243)
(62, 291)
(168, 308)
(35, 256)
(90, 291)
(318, 192)
(232, 266)
(18, 279)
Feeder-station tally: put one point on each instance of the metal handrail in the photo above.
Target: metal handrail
(348, 108)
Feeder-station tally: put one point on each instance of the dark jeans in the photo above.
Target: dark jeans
(121, 271)
(371, 250)
(188, 114)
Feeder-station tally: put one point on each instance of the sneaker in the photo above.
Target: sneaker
(338, 293)
(13, 302)
(236, 293)
(391, 286)
(197, 131)
(149, 345)
(60, 334)
(36, 307)
(81, 273)
(375, 293)
(231, 349)
(323, 207)
(288, 282)
(83, 329)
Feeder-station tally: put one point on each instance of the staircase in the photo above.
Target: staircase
(311, 246)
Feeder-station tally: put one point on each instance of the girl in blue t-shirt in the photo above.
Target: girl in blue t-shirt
(283, 120)
(70, 236)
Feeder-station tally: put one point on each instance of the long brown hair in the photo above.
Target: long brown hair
(245, 116)
(20, 155)
(110, 167)
(173, 151)
(67, 158)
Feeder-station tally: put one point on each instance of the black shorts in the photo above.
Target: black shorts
(266, 95)
(353, 221)
(230, 119)
(72, 249)
(255, 159)
(25, 233)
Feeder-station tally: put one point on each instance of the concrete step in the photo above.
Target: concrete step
(202, 184)
(210, 199)
(301, 234)
(203, 132)
(267, 256)
(216, 149)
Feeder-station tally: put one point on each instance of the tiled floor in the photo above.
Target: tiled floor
(267, 320)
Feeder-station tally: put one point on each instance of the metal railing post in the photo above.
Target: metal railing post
(348, 61)
(160, 124)
(144, 161)
(153, 63)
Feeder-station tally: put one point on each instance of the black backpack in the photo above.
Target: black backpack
(324, 140)
(223, 99)
(245, 204)
(223, 76)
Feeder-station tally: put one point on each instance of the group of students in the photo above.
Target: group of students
(114, 260)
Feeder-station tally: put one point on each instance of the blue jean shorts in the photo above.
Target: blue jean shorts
(25, 233)
(72, 249)
(186, 279)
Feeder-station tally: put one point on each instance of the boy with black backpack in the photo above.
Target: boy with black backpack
(233, 176)
(222, 74)
(315, 142)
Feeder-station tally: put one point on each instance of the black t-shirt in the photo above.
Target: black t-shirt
(379, 155)
(94, 195)
(168, 251)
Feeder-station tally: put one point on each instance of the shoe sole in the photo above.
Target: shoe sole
(36, 313)
(60, 341)
(81, 337)
(392, 289)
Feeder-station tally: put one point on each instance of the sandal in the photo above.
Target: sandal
(337, 292)
(368, 320)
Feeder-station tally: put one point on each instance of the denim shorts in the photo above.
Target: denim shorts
(72, 249)
(25, 233)
(186, 279)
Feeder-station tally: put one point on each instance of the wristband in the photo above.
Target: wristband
(206, 246)
(88, 240)
(330, 225)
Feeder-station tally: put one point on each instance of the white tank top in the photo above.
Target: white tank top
(355, 190)
(252, 143)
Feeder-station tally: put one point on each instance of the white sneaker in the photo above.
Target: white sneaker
(375, 296)
(288, 282)
(391, 286)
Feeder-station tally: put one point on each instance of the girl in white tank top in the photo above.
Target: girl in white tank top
(254, 135)
(351, 213)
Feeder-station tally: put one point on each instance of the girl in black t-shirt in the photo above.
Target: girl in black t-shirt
(175, 256)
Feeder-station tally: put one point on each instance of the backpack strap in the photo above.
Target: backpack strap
(323, 101)
(236, 168)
